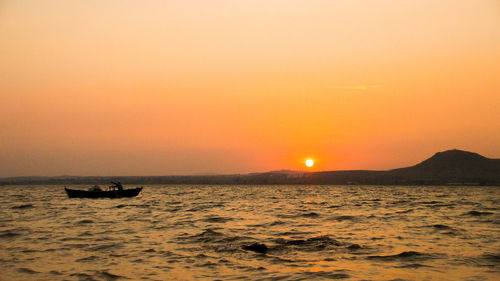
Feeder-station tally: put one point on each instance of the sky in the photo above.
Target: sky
(218, 87)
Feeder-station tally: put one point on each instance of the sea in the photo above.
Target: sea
(284, 232)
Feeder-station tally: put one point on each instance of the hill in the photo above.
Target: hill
(453, 166)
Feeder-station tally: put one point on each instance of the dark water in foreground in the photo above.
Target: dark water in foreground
(197, 232)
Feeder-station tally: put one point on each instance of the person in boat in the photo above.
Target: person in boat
(117, 185)
(95, 188)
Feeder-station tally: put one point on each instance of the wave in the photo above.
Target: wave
(409, 255)
(25, 206)
(405, 211)
(488, 260)
(326, 275)
(133, 205)
(354, 247)
(83, 276)
(277, 222)
(216, 219)
(345, 218)
(27, 270)
(477, 213)
(441, 227)
(87, 259)
(314, 243)
(293, 232)
(413, 265)
(207, 235)
(86, 221)
(109, 276)
(300, 215)
(310, 215)
(9, 234)
(105, 247)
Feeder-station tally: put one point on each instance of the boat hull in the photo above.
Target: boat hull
(74, 193)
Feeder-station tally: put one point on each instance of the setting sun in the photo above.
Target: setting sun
(309, 163)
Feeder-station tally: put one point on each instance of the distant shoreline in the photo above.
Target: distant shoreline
(450, 168)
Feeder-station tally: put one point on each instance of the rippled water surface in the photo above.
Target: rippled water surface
(207, 232)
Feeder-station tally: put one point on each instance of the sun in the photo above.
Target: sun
(309, 163)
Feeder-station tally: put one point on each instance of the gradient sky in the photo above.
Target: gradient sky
(192, 87)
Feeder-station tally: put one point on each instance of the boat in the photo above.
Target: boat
(98, 193)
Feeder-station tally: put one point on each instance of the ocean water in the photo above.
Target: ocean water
(203, 232)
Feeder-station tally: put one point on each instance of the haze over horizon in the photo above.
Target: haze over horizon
(192, 87)
(462, 158)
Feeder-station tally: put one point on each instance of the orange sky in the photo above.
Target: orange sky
(191, 87)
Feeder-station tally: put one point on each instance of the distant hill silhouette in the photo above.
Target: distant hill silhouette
(451, 167)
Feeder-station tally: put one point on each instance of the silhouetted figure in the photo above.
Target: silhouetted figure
(118, 185)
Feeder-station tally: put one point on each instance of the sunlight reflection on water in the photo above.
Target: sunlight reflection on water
(198, 232)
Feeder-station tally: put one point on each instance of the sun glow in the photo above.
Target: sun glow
(309, 163)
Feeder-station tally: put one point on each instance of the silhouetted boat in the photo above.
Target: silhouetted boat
(75, 193)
